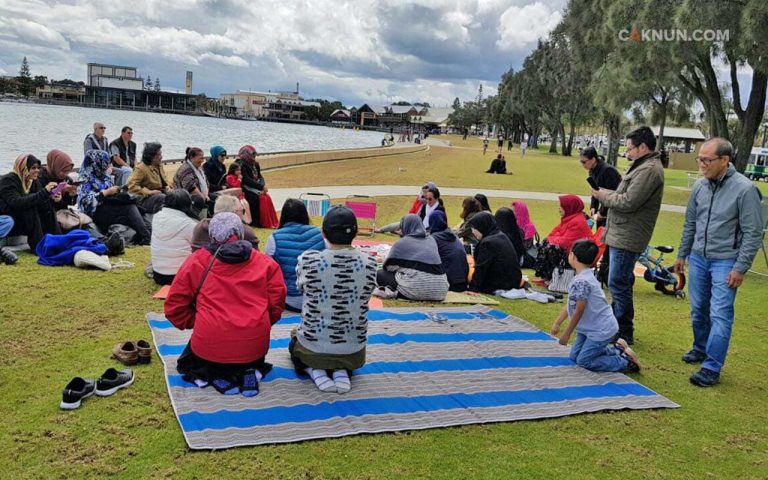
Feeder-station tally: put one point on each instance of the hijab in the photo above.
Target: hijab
(483, 202)
(437, 222)
(484, 223)
(56, 162)
(247, 153)
(21, 168)
(226, 233)
(216, 151)
(524, 220)
(415, 249)
(573, 226)
(95, 179)
(505, 219)
(571, 204)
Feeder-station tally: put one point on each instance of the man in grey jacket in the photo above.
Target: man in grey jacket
(632, 212)
(722, 233)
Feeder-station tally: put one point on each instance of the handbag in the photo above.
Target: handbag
(70, 219)
(561, 279)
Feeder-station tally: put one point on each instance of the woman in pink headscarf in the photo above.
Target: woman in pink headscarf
(254, 187)
(525, 223)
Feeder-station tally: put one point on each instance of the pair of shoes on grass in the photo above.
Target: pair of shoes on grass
(704, 377)
(133, 352)
(81, 388)
(7, 256)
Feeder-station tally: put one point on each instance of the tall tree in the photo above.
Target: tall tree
(25, 78)
(157, 84)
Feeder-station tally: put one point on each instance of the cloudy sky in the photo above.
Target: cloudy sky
(354, 51)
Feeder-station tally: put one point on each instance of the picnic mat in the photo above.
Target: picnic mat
(162, 294)
(425, 368)
(463, 297)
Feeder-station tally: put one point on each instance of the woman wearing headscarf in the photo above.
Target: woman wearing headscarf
(103, 202)
(254, 187)
(172, 233)
(230, 295)
(214, 168)
(27, 201)
(148, 179)
(469, 207)
(573, 225)
(413, 267)
(505, 219)
(525, 223)
(451, 252)
(480, 197)
(58, 165)
(496, 263)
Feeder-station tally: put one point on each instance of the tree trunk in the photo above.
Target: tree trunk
(663, 122)
(613, 122)
(568, 149)
(753, 115)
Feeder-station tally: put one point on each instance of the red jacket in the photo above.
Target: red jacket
(573, 226)
(236, 307)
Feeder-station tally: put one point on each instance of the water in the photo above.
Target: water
(37, 129)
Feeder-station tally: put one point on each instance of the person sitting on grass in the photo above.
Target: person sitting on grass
(480, 197)
(333, 332)
(224, 203)
(523, 218)
(172, 233)
(498, 165)
(148, 179)
(469, 207)
(451, 252)
(433, 203)
(413, 268)
(496, 263)
(573, 224)
(230, 295)
(233, 182)
(419, 202)
(592, 319)
(293, 237)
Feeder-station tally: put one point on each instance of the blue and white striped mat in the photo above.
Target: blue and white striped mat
(425, 368)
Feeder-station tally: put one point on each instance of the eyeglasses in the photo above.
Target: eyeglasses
(706, 161)
(102, 128)
(223, 154)
(630, 148)
(129, 133)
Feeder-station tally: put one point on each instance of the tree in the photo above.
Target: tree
(25, 78)
(148, 85)
(157, 84)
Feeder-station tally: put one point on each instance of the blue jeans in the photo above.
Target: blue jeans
(121, 174)
(6, 225)
(711, 308)
(597, 356)
(621, 278)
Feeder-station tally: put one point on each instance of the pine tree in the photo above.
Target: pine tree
(25, 78)
(148, 85)
(157, 84)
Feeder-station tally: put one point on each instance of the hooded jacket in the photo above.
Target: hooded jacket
(573, 226)
(496, 263)
(724, 220)
(451, 251)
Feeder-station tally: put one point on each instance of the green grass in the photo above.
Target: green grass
(62, 322)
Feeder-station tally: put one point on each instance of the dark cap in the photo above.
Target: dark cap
(340, 225)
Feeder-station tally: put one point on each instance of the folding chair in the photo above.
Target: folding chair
(317, 203)
(364, 208)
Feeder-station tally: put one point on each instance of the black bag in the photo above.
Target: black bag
(126, 233)
(548, 258)
(121, 198)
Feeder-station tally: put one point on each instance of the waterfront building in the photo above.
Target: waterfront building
(61, 91)
(265, 105)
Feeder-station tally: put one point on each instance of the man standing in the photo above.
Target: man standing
(122, 151)
(96, 140)
(721, 235)
(633, 209)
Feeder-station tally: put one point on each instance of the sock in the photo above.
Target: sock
(201, 383)
(341, 379)
(321, 379)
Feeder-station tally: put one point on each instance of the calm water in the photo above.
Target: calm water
(37, 129)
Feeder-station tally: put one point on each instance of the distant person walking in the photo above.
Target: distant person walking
(633, 210)
(485, 144)
(523, 147)
(500, 142)
(509, 143)
(721, 235)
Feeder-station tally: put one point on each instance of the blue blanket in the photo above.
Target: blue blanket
(56, 250)
(425, 369)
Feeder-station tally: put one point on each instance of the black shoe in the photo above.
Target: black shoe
(694, 357)
(112, 381)
(705, 378)
(7, 256)
(115, 245)
(75, 391)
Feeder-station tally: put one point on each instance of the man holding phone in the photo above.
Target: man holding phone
(633, 210)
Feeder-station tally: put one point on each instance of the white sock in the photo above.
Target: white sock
(341, 379)
(321, 379)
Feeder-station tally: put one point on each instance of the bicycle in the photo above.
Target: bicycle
(665, 280)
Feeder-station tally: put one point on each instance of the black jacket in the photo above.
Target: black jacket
(66, 199)
(251, 179)
(453, 257)
(606, 176)
(14, 201)
(496, 265)
(215, 171)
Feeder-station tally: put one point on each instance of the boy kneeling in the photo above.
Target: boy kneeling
(337, 285)
(592, 318)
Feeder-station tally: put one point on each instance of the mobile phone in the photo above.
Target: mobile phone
(592, 183)
(58, 188)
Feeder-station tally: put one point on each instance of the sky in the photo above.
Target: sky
(360, 51)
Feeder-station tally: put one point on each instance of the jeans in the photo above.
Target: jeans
(121, 174)
(597, 356)
(621, 278)
(6, 224)
(711, 308)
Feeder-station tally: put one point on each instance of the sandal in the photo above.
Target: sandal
(225, 387)
(249, 387)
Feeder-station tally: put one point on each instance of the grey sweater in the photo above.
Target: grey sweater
(724, 220)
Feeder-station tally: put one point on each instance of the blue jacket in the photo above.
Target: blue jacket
(453, 257)
(55, 250)
(291, 241)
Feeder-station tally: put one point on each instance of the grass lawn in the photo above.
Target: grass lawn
(61, 322)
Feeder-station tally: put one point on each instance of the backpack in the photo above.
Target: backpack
(548, 258)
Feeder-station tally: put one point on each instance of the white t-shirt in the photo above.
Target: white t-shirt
(427, 211)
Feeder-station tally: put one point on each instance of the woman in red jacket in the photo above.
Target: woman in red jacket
(231, 332)
(573, 225)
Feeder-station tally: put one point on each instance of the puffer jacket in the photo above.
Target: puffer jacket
(172, 232)
(291, 241)
(724, 220)
(634, 206)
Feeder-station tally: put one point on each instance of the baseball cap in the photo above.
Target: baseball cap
(340, 225)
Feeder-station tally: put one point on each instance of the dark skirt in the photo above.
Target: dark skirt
(192, 368)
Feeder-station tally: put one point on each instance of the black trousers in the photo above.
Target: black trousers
(128, 215)
(253, 202)
(34, 223)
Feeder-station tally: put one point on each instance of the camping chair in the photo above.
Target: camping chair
(364, 208)
(317, 203)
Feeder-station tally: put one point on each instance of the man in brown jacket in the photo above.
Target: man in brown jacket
(632, 212)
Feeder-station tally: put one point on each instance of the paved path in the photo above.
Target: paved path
(279, 195)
